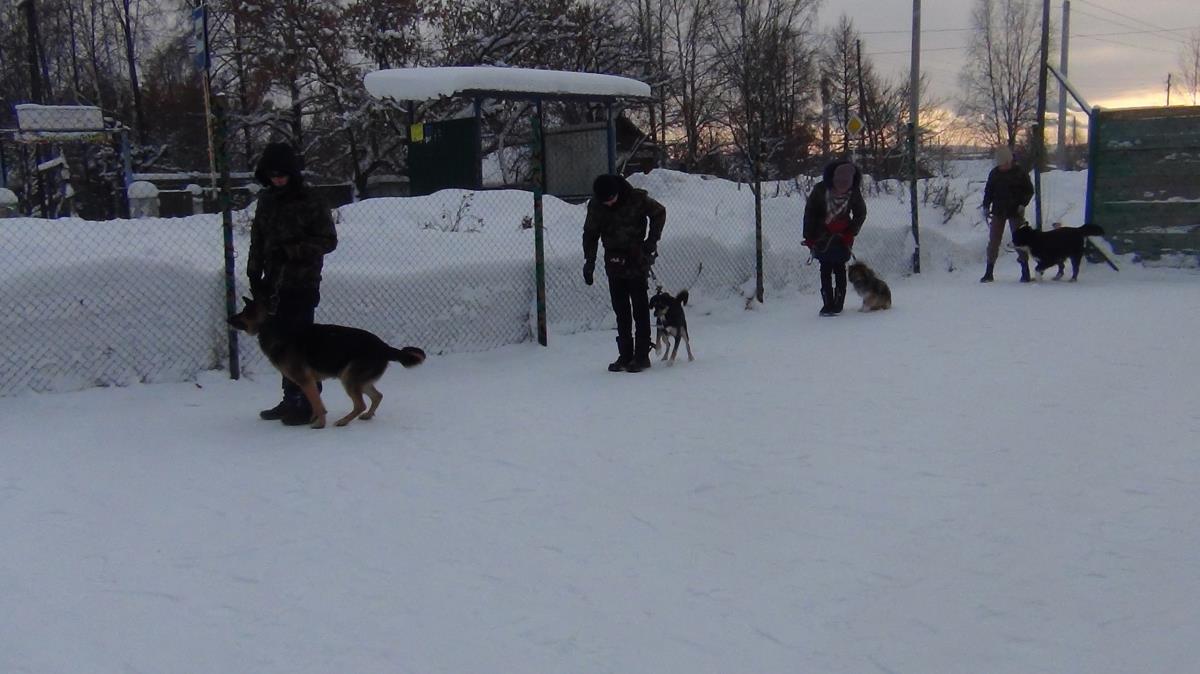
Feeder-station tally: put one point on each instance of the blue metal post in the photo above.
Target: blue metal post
(1089, 203)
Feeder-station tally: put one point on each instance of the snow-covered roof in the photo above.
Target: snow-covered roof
(422, 84)
(33, 117)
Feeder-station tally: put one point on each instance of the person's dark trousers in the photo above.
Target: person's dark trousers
(833, 277)
(833, 287)
(631, 304)
(294, 310)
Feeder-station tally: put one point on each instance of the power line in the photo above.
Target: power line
(906, 51)
(1124, 16)
(1126, 44)
(909, 32)
(1134, 28)
(1137, 32)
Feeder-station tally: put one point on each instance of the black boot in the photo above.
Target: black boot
(297, 411)
(275, 413)
(839, 300)
(624, 357)
(289, 392)
(826, 302)
(987, 274)
(638, 363)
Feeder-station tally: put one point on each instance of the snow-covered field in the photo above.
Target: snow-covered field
(998, 479)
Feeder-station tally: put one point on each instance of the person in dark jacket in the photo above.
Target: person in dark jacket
(833, 216)
(629, 223)
(291, 233)
(1005, 197)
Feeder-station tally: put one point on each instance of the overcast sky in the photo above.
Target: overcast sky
(1125, 69)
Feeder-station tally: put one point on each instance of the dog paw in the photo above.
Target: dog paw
(318, 422)
(367, 416)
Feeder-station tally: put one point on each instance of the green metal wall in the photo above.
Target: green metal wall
(446, 156)
(1144, 181)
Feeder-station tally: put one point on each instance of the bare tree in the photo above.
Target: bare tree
(128, 13)
(840, 75)
(768, 76)
(693, 97)
(999, 79)
(1189, 68)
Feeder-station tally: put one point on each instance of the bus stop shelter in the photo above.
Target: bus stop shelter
(479, 83)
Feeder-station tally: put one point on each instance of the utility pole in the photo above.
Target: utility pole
(1039, 136)
(1168, 90)
(914, 105)
(1062, 88)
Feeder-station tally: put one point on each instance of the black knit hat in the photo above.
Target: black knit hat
(607, 186)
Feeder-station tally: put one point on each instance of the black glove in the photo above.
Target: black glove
(589, 268)
(650, 250)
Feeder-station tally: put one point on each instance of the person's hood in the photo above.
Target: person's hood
(833, 167)
(279, 157)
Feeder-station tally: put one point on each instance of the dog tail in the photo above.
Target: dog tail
(1092, 230)
(409, 356)
(682, 297)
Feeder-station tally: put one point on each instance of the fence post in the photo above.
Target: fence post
(3, 165)
(222, 161)
(539, 252)
(758, 225)
(912, 198)
(126, 169)
(1039, 144)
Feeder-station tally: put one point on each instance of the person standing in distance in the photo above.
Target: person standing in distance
(1008, 191)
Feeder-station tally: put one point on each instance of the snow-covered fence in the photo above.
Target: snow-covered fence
(116, 302)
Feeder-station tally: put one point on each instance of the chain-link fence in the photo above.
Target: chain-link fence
(113, 302)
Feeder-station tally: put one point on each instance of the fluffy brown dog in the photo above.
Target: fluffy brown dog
(874, 292)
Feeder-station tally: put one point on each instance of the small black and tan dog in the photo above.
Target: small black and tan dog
(317, 352)
(670, 322)
(1055, 246)
(875, 294)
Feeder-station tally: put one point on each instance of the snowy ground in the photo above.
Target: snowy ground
(998, 479)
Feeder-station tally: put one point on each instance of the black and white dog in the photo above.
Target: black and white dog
(1055, 246)
(671, 322)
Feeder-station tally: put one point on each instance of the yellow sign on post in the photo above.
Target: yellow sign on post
(416, 133)
(855, 126)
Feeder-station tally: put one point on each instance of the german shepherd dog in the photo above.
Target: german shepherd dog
(670, 322)
(874, 292)
(1055, 246)
(317, 352)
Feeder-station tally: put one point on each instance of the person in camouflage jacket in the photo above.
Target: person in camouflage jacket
(291, 233)
(629, 223)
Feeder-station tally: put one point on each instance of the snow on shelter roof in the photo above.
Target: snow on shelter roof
(422, 84)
